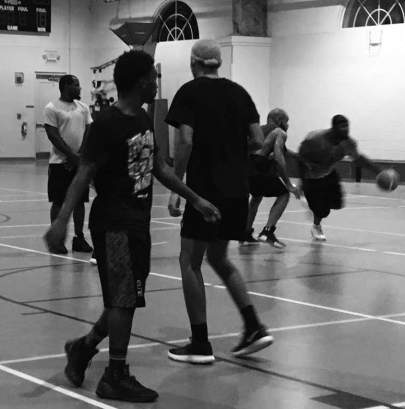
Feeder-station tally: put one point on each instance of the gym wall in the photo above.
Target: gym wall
(319, 68)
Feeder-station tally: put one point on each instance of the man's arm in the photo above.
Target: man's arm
(279, 147)
(57, 232)
(256, 137)
(57, 141)
(183, 146)
(166, 176)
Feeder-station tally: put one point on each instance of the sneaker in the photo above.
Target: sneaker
(80, 245)
(79, 356)
(93, 259)
(267, 235)
(58, 249)
(120, 385)
(193, 353)
(253, 341)
(317, 233)
(248, 239)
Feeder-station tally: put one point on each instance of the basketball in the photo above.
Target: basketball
(388, 179)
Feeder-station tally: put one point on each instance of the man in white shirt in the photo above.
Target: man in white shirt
(66, 123)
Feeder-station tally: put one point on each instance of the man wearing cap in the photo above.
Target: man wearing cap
(319, 153)
(217, 123)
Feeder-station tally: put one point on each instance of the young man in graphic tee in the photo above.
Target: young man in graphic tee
(66, 123)
(215, 118)
(121, 156)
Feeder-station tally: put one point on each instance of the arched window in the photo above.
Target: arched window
(363, 13)
(177, 22)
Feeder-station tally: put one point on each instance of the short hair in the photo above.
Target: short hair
(339, 119)
(207, 53)
(130, 68)
(66, 80)
(276, 116)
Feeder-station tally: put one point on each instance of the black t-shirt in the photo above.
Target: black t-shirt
(220, 112)
(123, 148)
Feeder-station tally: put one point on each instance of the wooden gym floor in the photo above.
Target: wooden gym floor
(337, 310)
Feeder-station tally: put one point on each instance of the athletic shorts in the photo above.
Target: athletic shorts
(123, 261)
(59, 179)
(324, 194)
(232, 225)
(264, 179)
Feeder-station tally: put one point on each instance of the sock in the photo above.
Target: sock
(117, 361)
(250, 318)
(200, 332)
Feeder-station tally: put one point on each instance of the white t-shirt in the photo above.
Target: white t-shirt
(71, 119)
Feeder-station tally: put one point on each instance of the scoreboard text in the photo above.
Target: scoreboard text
(30, 16)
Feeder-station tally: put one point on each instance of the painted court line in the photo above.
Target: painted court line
(257, 294)
(211, 337)
(55, 388)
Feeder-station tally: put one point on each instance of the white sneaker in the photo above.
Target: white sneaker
(317, 233)
(93, 259)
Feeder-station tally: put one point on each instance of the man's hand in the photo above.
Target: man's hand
(55, 236)
(174, 205)
(210, 213)
(73, 161)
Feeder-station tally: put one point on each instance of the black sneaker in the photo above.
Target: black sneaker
(248, 238)
(253, 341)
(61, 249)
(120, 385)
(267, 235)
(78, 356)
(193, 353)
(80, 245)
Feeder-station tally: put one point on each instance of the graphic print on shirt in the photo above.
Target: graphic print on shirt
(140, 160)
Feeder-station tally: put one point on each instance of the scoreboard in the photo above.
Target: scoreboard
(25, 16)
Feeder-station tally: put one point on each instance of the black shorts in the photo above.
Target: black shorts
(123, 261)
(324, 194)
(232, 225)
(264, 179)
(59, 179)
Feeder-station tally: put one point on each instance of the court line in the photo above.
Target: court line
(262, 295)
(344, 228)
(231, 361)
(211, 337)
(55, 388)
(24, 191)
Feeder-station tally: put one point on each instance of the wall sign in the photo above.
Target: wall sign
(25, 16)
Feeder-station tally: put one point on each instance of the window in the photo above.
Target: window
(177, 22)
(363, 13)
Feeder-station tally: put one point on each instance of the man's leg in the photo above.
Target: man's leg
(275, 214)
(79, 242)
(253, 208)
(255, 335)
(191, 257)
(317, 199)
(80, 351)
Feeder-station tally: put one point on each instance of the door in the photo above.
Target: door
(46, 90)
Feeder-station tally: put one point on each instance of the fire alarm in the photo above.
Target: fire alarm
(19, 78)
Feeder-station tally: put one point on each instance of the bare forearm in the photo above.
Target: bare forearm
(167, 177)
(181, 158)
(61, 146)
(363, 161)
(282, 166)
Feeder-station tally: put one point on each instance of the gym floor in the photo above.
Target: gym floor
(337, 310)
